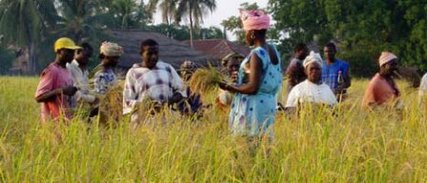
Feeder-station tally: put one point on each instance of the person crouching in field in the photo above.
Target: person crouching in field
(253, 109)
(55, 90)
(193, 103)
(312, 90)
(151, 80)
(382, 89)
(80, 74)
(225, 97)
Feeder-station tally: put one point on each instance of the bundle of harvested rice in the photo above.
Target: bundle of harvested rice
(205, 79)
(111, 104)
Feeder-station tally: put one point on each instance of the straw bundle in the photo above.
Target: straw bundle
(205, 80)
(111, 105)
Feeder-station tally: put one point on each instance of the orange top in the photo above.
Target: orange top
(380, 92)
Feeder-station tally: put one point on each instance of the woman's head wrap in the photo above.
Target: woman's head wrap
(111, 49)
(254, 20)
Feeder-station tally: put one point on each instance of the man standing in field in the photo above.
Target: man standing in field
(295, 72)
(151, 80)
(335, 72)
(382, 89)
(55, 90)
(80, 73)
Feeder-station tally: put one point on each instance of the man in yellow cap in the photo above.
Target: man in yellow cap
(55, 90)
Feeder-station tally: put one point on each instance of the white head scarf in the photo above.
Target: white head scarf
(312, 57)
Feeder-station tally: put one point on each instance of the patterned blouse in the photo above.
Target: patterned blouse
(103, 80)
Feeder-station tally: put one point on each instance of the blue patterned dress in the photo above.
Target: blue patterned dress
(253, 115)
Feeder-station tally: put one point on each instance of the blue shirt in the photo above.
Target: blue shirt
(330, 73)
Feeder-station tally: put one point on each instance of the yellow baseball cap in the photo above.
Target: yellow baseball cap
(66, 43)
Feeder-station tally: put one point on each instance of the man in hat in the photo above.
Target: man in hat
(55, 90)
(382, 89)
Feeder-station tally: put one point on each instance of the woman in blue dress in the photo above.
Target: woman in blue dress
(253, 109)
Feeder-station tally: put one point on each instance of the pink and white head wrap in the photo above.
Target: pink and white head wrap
(254, 20)
(111, 49)
(386, 57)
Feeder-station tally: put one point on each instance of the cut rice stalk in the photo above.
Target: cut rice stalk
(205, 79)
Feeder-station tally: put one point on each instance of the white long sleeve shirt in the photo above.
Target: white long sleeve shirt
(81, 81)
(308, 92)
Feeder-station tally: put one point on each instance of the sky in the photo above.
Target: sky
(224, 9)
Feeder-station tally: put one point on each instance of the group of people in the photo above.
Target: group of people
(252, 95)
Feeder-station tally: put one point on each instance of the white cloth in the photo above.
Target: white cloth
(158, 84)
(81, 81)
(312, 57)
(423, 86)
(307, 91)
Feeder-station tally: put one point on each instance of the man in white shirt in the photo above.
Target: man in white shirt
(312, 90)
(151, 80)
(80, 73)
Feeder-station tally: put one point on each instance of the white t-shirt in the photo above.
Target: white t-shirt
(307, 91)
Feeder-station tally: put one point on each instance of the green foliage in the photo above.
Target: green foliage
(25, 23)
(363, 28)
(177, 32)
(194, 10)
(210, 33)
(6, 59)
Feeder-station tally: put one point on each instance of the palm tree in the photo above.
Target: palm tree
(78, 18)
(130, 13)
(167, 7)
(195, 10)
(25, 22)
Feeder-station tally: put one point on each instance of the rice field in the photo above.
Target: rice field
(352, 146)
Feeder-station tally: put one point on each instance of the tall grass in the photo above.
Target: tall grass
(354, 146)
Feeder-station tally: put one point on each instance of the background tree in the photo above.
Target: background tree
(194, 10)
(362, 29)
(25, 23)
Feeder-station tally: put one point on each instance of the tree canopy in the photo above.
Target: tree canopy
(362, 29)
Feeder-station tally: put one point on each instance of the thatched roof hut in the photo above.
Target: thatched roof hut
(220, 49)
(171, 51)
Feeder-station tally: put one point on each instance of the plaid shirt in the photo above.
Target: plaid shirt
(158, 84)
